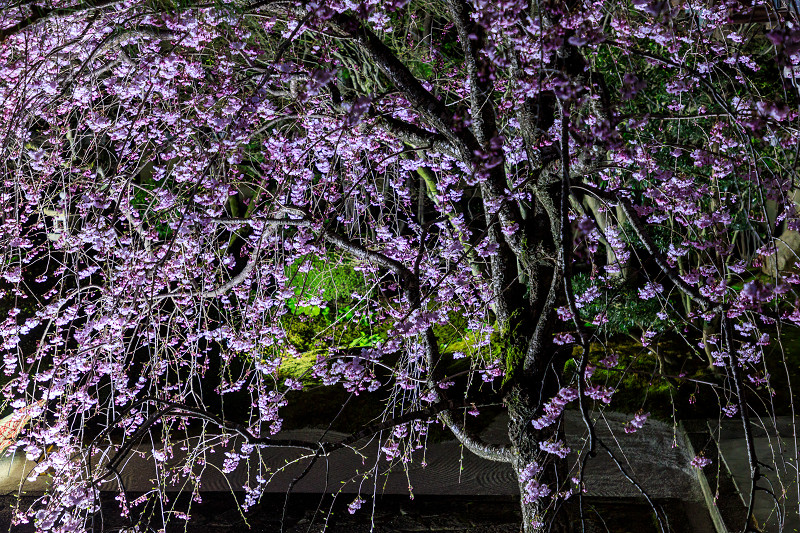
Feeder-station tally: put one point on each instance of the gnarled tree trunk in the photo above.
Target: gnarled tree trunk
(547, 513)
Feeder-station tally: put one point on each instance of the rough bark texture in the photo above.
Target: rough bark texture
(523, 405)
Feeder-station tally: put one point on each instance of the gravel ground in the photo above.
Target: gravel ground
(308, 513)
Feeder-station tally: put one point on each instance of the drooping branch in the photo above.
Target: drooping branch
(471, 441)
(321, 448)
(744, 416)
(177, 409)
(635, 483)
(239, 278)
(727, 329)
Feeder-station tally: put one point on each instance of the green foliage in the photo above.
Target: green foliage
(328, 279)
(143, 201)
(626, 312)
(307, 310)
(298, 367)
(452, 334)
(312, 330)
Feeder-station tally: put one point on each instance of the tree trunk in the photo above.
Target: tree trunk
(544, 514)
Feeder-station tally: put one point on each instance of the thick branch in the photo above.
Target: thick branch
(421, 414)
(471, 36)
(470, 441)
(361, 252)
(490, 159)
(647, 241)
(432, 110)
(115, 39)
(474, 443)
(417, 137)
(41, 14)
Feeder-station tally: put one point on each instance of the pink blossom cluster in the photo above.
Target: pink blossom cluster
(637, 423)
(554, 408)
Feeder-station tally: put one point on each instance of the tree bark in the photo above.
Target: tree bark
(544, 514)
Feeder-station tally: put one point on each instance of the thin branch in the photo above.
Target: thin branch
(470, 441)
(635, 484)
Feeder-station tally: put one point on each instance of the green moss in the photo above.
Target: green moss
(330, 279)
(297, 367)
(304, 332)
(452, 335)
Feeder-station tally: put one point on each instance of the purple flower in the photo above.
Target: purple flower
(535, 491)
(636, 424)
(651, 7)
(355, 505)
(778, 112)
(596, 392)
(650, 290)
(564, 338)
(591, 294)
(357, 110)
(631, 85)
(556, 448)
(610, 361)
(554, 408)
